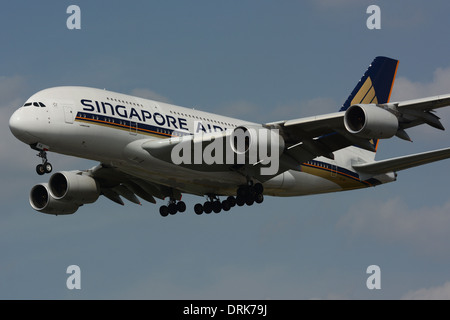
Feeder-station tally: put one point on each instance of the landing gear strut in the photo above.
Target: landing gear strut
(45, 167)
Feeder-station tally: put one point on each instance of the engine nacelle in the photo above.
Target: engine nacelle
(370, 121)
(74, 186)
(41, 200)
(256, 142)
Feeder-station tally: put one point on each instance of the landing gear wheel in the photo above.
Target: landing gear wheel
(47, 167)
(226, 205)
(217, 206)
(198, 208)
(164, 211)
(232, 201)
(172, 208)
(258, 188)
(40, 169)
(207, 207)
(181, 206)
(259, 198)
(240, 201)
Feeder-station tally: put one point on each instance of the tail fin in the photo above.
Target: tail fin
(375, 86)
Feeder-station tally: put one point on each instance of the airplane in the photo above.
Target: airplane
(144, 147)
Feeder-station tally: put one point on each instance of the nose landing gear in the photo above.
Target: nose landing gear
(46, 166)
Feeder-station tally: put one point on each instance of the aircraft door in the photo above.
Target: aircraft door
(133, 128)
(333, 168)
(68, 114)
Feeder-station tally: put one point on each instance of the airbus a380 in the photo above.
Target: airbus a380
(148, 149)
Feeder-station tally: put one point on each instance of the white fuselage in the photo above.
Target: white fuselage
(102, 125)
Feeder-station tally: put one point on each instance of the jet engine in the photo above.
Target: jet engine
(370, 121)
(65, 193)
(41, 200)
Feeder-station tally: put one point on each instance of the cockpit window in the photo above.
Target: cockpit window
(36, 104)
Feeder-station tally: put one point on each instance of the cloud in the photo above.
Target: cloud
(149, 94)
(405, 89)
(394, 221)
(433, 293)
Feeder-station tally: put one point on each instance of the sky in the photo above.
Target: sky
(257, 60)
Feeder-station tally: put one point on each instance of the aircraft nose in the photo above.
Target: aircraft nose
(18, 125)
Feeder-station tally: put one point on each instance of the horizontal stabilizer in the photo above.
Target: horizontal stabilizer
(401, 163)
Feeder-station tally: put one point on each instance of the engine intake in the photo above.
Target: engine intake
(370, 121)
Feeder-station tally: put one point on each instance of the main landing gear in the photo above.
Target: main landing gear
(45, 167)
(172, 208)
(245, 195)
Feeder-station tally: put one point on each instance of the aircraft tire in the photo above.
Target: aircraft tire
(232, 201)
(40, 169)
(226, 206)
(258, 188)
(217, 206)
(181, 206)
(198, 208)
(48, 167)
(164, 211)
(240, 201)
(207, 207)
(172, 208)
(259, 198)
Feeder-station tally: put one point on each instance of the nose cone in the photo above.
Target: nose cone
(20, 126)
